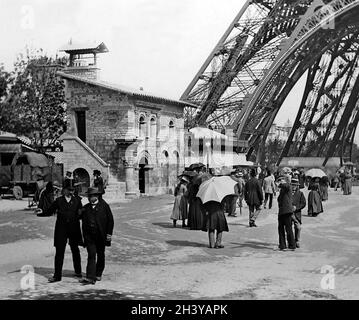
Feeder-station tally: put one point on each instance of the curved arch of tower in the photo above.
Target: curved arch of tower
(268, 47)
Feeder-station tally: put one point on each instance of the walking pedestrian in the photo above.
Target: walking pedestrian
(240, 184)
(231, 200)
(269, 189)
(315, 205)
(323, 187)
(67, 229)
(336, 181)
(215, 222)
(299, 204)
(98, 182)
(180, 206)
(97, 228)
(196, 213)
(253, 196)
(285, 213)
(347, 185)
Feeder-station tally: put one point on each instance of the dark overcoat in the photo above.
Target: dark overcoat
(104, 221)
(253, 193)
(285, 199)
(67, 225)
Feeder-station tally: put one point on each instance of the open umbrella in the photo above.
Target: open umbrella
(190, 174)
(216, 189)
(194, 166)
(315, 173)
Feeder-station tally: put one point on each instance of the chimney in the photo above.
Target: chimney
(83, 59)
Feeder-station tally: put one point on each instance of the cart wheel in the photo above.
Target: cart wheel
(17, 192)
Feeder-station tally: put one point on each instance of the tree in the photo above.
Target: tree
(273, 150)
(35, 103)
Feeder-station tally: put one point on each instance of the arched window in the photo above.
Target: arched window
(153, 128)
(142, 127)
(171, 129)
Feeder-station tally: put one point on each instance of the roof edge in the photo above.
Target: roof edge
(113, 87)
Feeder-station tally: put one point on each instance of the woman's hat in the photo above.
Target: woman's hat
(93, 191)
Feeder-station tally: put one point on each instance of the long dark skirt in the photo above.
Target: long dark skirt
(216, 219)
(196, 214)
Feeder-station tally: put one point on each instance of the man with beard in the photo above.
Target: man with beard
(67, 229)
(97, 228)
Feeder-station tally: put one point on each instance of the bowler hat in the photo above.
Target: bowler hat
(93, 191)
(97, 172)
(67, 185)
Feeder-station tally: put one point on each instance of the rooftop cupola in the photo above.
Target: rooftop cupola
(83, 58)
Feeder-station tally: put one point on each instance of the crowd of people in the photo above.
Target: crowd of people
(257, 188)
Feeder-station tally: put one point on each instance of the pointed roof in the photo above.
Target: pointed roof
(84, 47)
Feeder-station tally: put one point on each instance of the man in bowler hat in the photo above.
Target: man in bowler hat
(97, 227)
(67, 229)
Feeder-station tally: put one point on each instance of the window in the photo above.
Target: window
(171, 129)
(81, 125)
(153, 128)
(142, 127)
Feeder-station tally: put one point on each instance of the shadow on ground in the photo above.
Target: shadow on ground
(77, 295)
(183, 243)
(255, 245)
(49, 272)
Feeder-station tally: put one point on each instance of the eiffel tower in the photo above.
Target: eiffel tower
(268, 47)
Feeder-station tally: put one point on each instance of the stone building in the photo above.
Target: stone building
(134, 138)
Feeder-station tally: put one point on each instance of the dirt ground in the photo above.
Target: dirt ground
(149, 259)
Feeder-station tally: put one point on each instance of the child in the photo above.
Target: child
(299, 203)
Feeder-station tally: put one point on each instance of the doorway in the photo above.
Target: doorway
(142, 175)
(83, 178)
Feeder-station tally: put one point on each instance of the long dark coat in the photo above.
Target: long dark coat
(196, 213)
(104, 221)
(253, 193)
(314, 203)
(285, 199)
(67, 225)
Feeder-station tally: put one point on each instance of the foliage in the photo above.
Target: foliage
(34, 103)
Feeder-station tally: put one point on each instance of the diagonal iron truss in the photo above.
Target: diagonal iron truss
(267, 48)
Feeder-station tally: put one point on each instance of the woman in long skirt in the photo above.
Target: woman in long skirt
(315, 206)
(180, 206)
(347, 186)
(324, 185)
(215, 221)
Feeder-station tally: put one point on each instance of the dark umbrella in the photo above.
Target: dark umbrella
(190, 174)
(194, 166)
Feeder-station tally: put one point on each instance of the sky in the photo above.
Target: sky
(155, 44)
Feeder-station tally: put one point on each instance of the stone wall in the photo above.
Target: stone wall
(112, 116)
